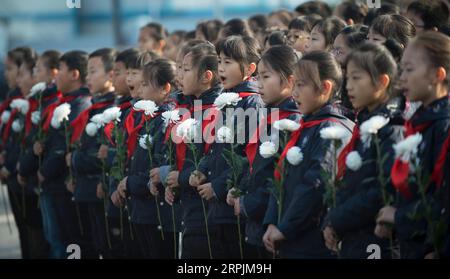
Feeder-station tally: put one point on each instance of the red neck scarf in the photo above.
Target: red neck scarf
(133, 129)
(7, 102)
(110, 126)
(347, 149)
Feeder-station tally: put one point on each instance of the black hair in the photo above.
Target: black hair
(190, 35)
(128, 56)
(258, 23)
(433, 13)
(300, 23)
(142, 58)
(312, 19)
(385, 9)
(395, 27)
(281, 59)
(314, 7)
(204, 58)
(107, 55)
(330, 28)
(18, 55)
(277, 38)
(159, 32)
(159, 72)
(76, 60)
(284, 15)
(395, 48)
(244, 50)
(29, 58)
(236, 26)
(210, 29)
(355, 35)
(51, 59)
(355, 10)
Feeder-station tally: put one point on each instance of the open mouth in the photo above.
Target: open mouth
(131, 87)
(223, 79)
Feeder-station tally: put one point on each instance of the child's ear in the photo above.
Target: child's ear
(161, 44)
(350, 21)
(251, 69)
(208, 76)
(110, 75)
(53, 73)
(290, 81)
(75, 75)
(384, 81)
(327, 87)
(441, 74)
(167, 88)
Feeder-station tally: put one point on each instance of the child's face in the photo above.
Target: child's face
(316, 41)
(171, 50)
(25, 79)
(120, 79)
(41, 73)
(361, 90)
(374, 37)
(189, 79)
(151, 92)
(64, 78)
(229, 72)
(340, 49)
(271, 86)
(146, 40)
(179, 70)
(134, 80)
(297, 39)
(416, 20)
(97, 80)
(307, 98)
(417, 74)
(11, 73)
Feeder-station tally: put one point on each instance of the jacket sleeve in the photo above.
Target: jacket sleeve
(254, 204)
(54, 164)
(137, 185)
(86, 162)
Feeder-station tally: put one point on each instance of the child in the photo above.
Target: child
(45, 72)
(425, 64)
(275, 78)
(152, 37)
(428, 15)
(370, 74)
(258, 25)
(151, 216)
(175, 39)
(208, 30)
(391, 26)
(89, 177)
(296, 230)
(279, 19)
(200, 81)
(237, 63)
(60, 211)
(323, 34)
(298, 34)
(235, 26)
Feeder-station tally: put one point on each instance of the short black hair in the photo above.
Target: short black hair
(210, 29)
(236, 26)
(258, 22)
(159, 72)
(330, 28)
(204, 58)
(277, 38)
(385, 9)
(244, 50)
(354, 10)
(433, 13)
(107, 55)
(18, 55)
(139, 59)
(51, 59)
(395, 27)
(76, 60)
(127, 56)
(300, 23)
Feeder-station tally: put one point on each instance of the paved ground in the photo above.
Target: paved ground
(9, 240)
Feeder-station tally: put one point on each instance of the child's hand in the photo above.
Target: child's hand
(230, 198)
(382, 231)
(197, 178)
(172, 179)
(69, 159)
(169, 197)
(116, 200)
(206, 191)
(267, 240)
(330, 238)
(122, 188)
(102, 152)
(154, 176)
(70, 186)
(38, 148)
(153, 189)
(4, 173)
(100, 193)
(386, 215)
(2, 157)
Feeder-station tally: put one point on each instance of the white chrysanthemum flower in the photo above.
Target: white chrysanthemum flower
(353, 161)
(267, 149)
(5, 116)
(111, 114)
(224, 135)
(294, 155)
(35, 117)
(98, 120)
(60, 114)
(334, 133)
(17, 126)
(149, 107)
(145, 141)
(227, 99)
(370, 127)
(91, 129)
(408, 147)
(21, 105)
(286, 125)
(37, 88)
(187, 129)
(170, 117)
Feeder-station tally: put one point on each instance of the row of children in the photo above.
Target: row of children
(93, 156)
